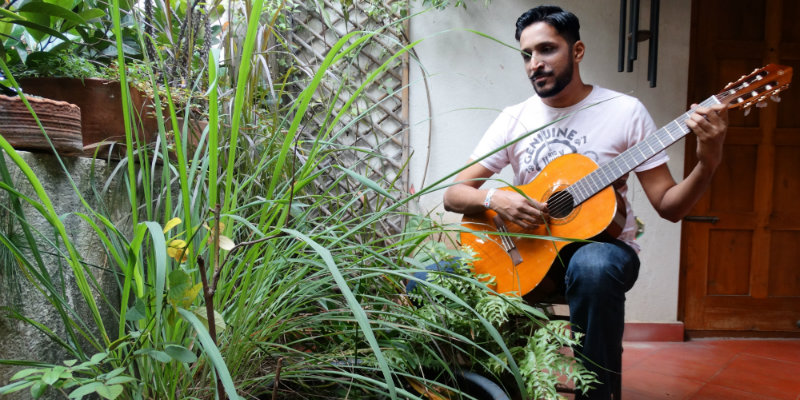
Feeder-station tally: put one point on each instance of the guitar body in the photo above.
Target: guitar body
(585, 221)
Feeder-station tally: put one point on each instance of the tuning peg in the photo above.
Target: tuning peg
(761, 104)
(775, 98)
(747, 110)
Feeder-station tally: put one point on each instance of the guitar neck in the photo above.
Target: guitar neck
(636, 155)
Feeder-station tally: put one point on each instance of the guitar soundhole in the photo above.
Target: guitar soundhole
(560, 204)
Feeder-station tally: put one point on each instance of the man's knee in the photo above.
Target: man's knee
(600, 268)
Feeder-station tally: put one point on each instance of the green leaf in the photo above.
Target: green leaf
(62, 3)
(51, 376)
(39, 30)
(70, 363)
(159, 355)
(155, 354)
(212, 352)
(41, 58)
(97, 358)
(120, 380)
(367, 182)
(84, 390)
(92, 13)
(160, 250)
(38, 389)
(136, 312)
(6, 28)
(51, 10)
(113, 373)
(9, 14)
(179, 278)
(24, 373)
(219, 321)
(181, 291)
(180, 353)
(15, 387)
(121, 341)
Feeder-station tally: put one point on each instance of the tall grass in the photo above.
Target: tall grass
(243, 276)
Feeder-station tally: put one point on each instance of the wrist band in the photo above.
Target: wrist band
(488, 200)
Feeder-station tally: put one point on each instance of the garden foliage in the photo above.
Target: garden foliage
(237, 274)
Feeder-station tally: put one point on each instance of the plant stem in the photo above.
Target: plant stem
(277, 379)
(208, 296)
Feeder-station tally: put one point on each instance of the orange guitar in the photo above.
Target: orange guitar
(581, 201)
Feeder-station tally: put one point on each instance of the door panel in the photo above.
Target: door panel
(743, 272)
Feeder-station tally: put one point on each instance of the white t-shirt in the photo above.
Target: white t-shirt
(599, 131)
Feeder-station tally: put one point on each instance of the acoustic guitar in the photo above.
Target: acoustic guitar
(580, 198)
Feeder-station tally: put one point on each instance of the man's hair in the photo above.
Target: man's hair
(565, 22)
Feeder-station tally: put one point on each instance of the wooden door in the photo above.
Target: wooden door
(741, 274)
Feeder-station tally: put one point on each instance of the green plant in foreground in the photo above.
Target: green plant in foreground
(534, 342)
(71, 379)
(310, 295)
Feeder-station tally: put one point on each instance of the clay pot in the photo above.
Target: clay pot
(61, 120)
(100, 100)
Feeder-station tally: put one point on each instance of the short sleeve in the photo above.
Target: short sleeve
(643, 126)
(495, 137)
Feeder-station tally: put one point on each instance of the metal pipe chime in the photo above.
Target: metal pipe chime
(633, 36)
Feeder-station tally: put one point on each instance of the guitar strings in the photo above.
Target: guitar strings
(564, 204)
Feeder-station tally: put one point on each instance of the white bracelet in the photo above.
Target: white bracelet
(488, 200)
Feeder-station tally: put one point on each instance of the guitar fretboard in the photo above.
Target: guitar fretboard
(636, 155)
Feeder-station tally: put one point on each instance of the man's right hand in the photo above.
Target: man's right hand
(516, 208)
(466, 197)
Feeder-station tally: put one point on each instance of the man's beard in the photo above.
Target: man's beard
(561, 81)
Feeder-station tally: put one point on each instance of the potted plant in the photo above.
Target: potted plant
(69, 53)
(59, 51)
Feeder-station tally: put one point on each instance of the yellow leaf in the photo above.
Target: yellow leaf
(211, 228)
(171, 224)
(177, 243)
(176, 249)
(225, 243)
(182, 292)
(180, 255)
(189, 295)
(219, 321)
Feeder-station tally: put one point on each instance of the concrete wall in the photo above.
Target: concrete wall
(19, 340)
(471, 78)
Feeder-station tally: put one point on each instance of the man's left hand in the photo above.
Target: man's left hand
(709, 124)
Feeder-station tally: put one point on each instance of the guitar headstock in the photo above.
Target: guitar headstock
(757, 87)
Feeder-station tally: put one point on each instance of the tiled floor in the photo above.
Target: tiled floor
(706, 369)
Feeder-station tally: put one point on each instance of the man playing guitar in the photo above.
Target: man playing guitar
(598, 273)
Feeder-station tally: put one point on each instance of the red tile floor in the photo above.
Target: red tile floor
(724, 369)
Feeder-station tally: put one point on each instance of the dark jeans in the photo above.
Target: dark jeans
(597, 277)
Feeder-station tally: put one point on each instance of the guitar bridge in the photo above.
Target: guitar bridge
(508, 244)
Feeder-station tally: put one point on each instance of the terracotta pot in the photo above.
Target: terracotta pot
(61, 120)
(101, 102)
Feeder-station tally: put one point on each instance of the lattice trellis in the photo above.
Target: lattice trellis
(373, 136)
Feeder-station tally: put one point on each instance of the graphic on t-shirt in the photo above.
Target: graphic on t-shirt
(550, 144)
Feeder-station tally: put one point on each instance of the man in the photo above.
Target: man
(599, 273)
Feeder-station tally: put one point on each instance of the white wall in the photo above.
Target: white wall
(470, 78)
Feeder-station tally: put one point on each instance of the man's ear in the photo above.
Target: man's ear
(578, 49)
